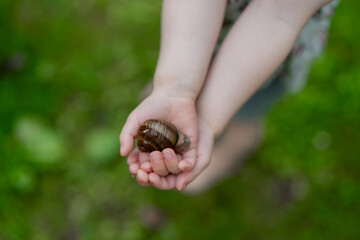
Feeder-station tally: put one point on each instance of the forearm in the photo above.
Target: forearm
(258, 43)
(188, 35)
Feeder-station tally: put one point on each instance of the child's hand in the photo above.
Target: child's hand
(142, 166)
(178, 110)
(204, 150)
(158, 169)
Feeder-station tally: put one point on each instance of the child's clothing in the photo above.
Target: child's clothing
(292, 74)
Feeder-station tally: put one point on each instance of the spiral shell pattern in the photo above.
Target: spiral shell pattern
(159, 134)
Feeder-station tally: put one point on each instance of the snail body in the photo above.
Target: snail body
(156, 134)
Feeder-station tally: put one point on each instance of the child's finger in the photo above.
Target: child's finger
(154, 179)
(144, 157)
(133, 157)
(163, 183)
(158, 164)
(185, 178)
(128, 134)
(133, 168)
(146, 166)
(171, 160)
(188, 160)
(144, 161)
(142, 178)
(205, 146)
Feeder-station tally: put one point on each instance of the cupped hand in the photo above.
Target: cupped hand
(177, 110)
(204, 150)
(142, 166)
(158, 169)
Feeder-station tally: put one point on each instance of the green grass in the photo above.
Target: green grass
(69, 74)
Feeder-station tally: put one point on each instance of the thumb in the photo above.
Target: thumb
(128, 134)
(188, 160)
(203, 159)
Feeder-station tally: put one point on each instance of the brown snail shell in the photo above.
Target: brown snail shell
(159, 134)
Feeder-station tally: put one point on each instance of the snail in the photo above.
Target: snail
(159, 134)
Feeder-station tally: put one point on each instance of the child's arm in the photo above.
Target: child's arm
(189, 33)
(254, 48)
(257, 44)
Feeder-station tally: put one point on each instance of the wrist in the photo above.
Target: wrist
(205, 126)
(214, 123)
(173, 87)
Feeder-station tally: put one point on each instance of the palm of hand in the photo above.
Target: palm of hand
(177, 179)
(181, 112)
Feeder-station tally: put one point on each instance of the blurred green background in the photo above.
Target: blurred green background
(70, 72)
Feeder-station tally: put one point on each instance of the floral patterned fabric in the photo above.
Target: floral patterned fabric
(294, 71)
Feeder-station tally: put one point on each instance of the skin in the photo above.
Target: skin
(208, 96)
(177, 80)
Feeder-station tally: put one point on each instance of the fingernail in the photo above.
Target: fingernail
(181, 188)
(182, 167)
(151, 181)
